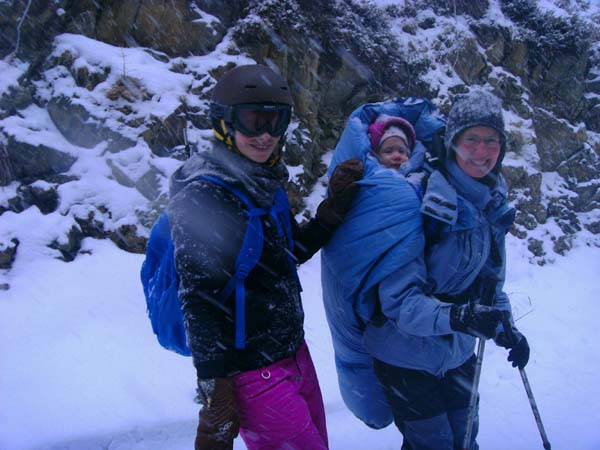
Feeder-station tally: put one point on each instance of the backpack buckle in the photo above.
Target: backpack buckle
(242, 271)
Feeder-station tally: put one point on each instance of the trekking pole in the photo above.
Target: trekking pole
(488, 300)
(536, 412)
(474, 391)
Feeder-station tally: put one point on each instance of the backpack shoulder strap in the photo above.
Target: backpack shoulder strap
(247, 258)
(252, 246)
(440, 200)
(280, 212)
(281, 215)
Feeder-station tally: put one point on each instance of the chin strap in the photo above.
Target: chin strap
(275, 157)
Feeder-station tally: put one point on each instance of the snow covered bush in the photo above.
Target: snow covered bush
(548, 33)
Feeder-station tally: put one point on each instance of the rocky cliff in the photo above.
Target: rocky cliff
(117, 92)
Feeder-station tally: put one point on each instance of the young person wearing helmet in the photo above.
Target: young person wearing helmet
(267, 390)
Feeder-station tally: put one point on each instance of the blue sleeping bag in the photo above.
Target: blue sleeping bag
(381, 233)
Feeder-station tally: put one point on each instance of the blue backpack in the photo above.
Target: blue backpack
(161, 282)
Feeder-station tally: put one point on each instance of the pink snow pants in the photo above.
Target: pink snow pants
(281, 407)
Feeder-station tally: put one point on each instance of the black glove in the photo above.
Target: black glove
(474, 319)
(218, 420)
(341, 192)
(517, 344)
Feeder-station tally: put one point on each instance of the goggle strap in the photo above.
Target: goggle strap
(218, 135)
(221, 111)
(227, 136)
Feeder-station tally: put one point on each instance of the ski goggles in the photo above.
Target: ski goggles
(254, 119)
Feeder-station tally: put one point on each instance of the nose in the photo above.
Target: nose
(264, 137)
(481, 148)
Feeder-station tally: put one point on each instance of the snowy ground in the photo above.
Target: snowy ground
(80, 368)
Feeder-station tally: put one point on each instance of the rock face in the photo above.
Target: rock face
(29, 163)
(335, 56)
(174, 27)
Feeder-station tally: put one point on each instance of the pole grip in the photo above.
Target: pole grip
(508, 328)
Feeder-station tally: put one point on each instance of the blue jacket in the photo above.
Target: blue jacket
(382, 232)
(466, 226)
(391, 269)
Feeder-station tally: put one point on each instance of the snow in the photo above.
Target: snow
(204, 16)
(34, 126)
(11, 71)
(81, 368)
(164, 86)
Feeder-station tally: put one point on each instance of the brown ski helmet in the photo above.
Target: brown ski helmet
(253, 83)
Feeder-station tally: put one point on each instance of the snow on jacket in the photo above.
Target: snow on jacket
(208, 226)
(381, 233)
(412, 329)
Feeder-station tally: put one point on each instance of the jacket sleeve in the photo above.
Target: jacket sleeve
(403, 301)
(309, 238)
(502, 300)
(207, 232)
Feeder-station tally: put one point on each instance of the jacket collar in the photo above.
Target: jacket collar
(258, 180)
(492, 200)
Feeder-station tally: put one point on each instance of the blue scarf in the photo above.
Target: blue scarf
(493, 201)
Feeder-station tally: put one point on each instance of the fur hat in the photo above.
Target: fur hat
(477, 108)
(387, 126)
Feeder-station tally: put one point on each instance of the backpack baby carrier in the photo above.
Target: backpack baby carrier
(161, 282)
(376, 238)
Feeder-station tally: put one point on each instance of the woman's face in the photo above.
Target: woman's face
(393, 152)
(477, 150)
(258, 148)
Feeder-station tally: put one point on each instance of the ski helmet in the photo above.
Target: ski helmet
(252, 84)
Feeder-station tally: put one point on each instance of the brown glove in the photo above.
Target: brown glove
(218, 421)
(341, 192)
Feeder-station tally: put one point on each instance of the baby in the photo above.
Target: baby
(392, 140)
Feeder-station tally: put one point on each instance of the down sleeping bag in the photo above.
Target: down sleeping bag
(381, 233)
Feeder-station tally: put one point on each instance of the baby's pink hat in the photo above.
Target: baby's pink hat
(388, 126)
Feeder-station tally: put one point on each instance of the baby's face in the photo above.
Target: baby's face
(393, 152)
